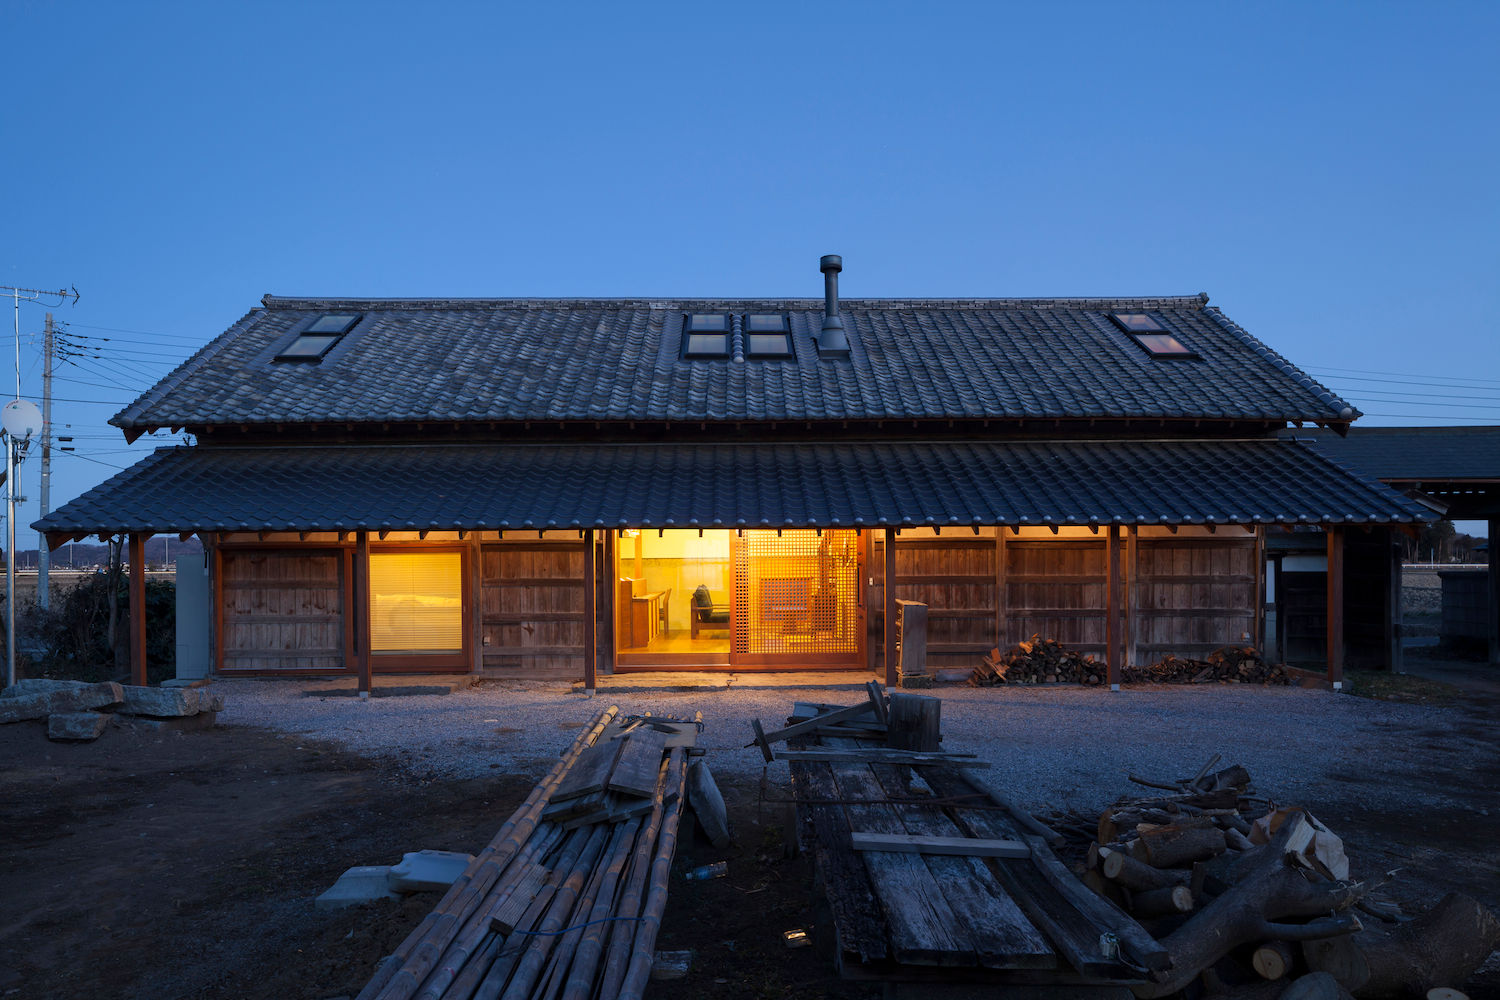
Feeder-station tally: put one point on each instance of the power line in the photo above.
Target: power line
(1449, 378)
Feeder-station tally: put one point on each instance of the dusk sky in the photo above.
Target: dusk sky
(1327, 173)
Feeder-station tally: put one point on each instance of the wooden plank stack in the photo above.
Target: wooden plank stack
(1253, 901)
(932, 877)
(567, 899)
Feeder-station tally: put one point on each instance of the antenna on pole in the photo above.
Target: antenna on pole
(21, 419)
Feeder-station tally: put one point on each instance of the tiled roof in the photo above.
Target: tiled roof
(618, 360)
(443, 487)
(1412, 454)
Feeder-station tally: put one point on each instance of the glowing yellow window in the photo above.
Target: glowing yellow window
(416, 602)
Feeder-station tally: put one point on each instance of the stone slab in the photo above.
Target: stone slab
(169, 702)
(363, 884)
(23, 707)
(185, 724)
(65, 696)
(428, 871)
(76, 725)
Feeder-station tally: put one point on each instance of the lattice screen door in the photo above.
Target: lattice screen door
(797, 599)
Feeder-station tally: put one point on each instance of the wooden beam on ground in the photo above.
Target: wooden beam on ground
(881, 756)
(361, 608)
(1335, 616)
(137, 608)
(1112, 610)
(590, 613)
(811, 725)
(907, 843)
(888, 647)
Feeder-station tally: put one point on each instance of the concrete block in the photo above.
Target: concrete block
(164, 702)
(428, 871)
(76, 725)
(67, 696)
(363, 884)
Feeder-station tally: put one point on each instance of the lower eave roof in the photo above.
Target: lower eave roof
(808, 484)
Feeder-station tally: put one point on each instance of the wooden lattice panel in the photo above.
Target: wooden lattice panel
(796, 595)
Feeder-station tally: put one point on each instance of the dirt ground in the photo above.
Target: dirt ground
(164, 866)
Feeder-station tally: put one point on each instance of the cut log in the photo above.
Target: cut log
(1315, 986)
(1340, 957)
(708, 804)
(1273, 960)
(1446, 993)
(1160, 902)
(1233, 838)
(1248, 912)
(1137, 876)
(1178, 845)
(1441, 947)
(915, 722)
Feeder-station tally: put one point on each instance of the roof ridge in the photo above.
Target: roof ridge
(665, 303)
(1345, 409)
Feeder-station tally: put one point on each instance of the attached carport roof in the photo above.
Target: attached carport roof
(864, 484)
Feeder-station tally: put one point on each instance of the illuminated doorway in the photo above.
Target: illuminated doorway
(758, 599)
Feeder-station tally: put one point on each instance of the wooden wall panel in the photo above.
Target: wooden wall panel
(1193, 595)
(1056, 589)
(532, 608)
(955, 578)
(283, 610)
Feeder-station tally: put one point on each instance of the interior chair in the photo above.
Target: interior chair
(705, 614)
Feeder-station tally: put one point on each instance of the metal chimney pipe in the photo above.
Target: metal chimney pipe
(832, 339)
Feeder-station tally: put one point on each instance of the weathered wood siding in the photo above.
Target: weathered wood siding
(1193, 595)
(532, 607)
(1056, 588)
(282, 610)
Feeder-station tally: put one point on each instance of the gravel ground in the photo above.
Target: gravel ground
(1058, 747)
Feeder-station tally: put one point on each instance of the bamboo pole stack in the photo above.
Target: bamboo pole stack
(546, 911)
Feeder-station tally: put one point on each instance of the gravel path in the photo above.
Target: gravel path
(1058, 747)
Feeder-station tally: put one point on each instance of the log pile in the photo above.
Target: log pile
(1048, 661)
(567, 899)
(1225, 665)
(1037, 661)
(1256, 902)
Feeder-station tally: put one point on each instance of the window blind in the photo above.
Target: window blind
(416, 602)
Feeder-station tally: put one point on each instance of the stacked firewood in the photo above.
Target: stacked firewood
(1252, 901)
(1225, 665)
(567, 899)
(1037, 661)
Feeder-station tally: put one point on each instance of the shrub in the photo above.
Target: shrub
(71, 639)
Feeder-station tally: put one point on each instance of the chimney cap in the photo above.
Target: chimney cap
(831, 262)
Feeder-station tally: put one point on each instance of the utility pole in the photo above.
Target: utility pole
(43, 556)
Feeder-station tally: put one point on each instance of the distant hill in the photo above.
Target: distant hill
(159, 549)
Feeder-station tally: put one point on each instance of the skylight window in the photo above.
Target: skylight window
(318, 337)
(705, 335)
(1152, 335)
(767, 335)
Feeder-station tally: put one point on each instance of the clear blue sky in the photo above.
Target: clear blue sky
(1326, 172)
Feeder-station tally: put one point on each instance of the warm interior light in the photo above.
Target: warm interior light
(416, 602)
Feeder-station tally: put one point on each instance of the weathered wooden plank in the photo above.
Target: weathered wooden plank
(920, 843)
(924, 930)
(881, 756)
(1069, 932)
(635, 773)
(590, 772)
(823, 719)
(846, 882)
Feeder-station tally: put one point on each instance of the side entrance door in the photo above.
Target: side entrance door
(797, 600)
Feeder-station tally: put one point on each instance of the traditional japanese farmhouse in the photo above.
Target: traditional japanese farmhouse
(563, 486)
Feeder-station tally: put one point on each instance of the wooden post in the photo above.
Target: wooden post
(889, 593)
(137, 608)
(1395, 658)
(590, 613)
(1000, 587)
(474, 559)
(607, 596)
(1112, 610)
(361, 609)
(1132, 593)
(1335, 617)
(1258, 567)
(1494, 595)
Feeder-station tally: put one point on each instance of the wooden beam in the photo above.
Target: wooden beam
(1132, 593)
(1335, 616)
(1112, 610)
(888, 647)
(590, 613)
(361, 608)
(1000, 602)
(137, 608)
(906, 843)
